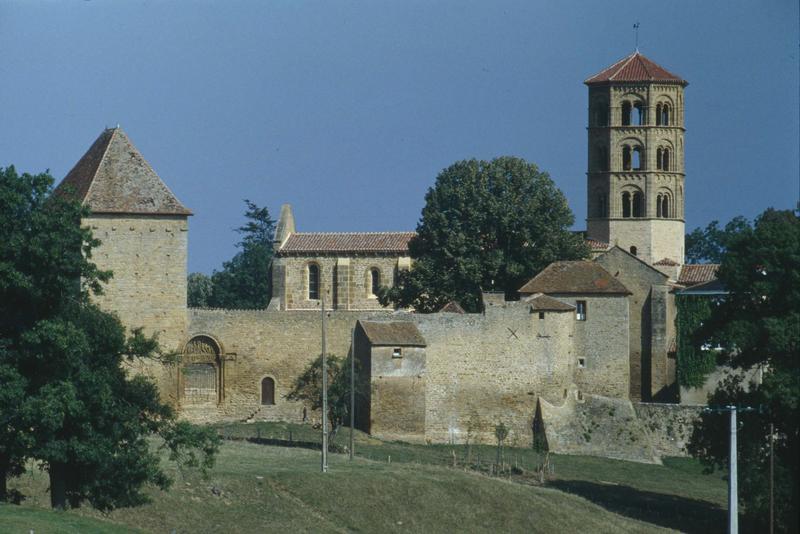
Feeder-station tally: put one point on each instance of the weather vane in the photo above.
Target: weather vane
(636, 32)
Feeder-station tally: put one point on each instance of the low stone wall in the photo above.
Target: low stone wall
(670, 425)
(594, 425)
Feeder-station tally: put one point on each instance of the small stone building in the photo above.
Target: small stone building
(346, 269)
(392, 356)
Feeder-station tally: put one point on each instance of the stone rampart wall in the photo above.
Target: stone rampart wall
(670, 425)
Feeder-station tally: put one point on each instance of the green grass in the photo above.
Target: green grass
(26, 519)
(269, 488)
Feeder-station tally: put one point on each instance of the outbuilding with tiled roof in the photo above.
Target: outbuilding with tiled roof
(574, 278)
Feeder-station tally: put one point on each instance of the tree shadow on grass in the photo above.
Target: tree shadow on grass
(670, 511)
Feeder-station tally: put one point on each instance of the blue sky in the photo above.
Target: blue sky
(348, 110)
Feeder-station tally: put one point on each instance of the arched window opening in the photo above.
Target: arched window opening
(626, 113)
(638, 115)
(602, 205)
(658, 206)
(638, 205)
(665, 115)
(633, 251)
(665, 206)
(638, 160)
(626, 204)
(600, 114)
(658, 158)
(313, 281)
(601, 158)
(626, 158)
(658, 115)
(665, 160)
(374, 281)
(267, 391)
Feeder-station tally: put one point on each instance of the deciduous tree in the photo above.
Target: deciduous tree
(67, 400)
(758, 324)
(486, 225)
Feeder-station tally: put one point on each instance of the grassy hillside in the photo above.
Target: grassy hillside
(270, 488)
(25, 519)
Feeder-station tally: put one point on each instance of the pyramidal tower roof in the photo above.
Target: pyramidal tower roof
(635, 68)
(113, 177)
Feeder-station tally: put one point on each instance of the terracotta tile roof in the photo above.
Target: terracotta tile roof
(452, 307)
(574, 277)
(667, 261)
(635, 68)
(400, 333)
(697, 273)
(113, 177)
(596, 245)
(545, 303)
(380, 242)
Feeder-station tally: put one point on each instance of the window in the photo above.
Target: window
(665, 206)
(581, 363)
(602, 205)
(658, 158)
(313, 281)
(665, 159)
(638, 205)
(580, 310)
(638, 160)
(633, 251)
(658, 115)
(541, 315)
(397, 352)
(665, 115)
(638, 116)
(601, 158)
(374, 281)
(626, 204)
(267, 391)
(626, 113)
(626, 158)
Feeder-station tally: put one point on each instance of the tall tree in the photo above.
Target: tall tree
(244, 281)
(67, 398)
(199, 288)
(758, 324)
(486, 225)
(707, 245)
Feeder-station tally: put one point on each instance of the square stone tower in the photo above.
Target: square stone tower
(143, 231)
(635, 178)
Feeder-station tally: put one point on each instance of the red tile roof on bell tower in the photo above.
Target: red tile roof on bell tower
(635, 68)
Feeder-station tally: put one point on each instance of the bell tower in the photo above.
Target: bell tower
(635, 173)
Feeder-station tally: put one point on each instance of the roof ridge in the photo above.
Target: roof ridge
(356, 233)
(606, 69)
(99, 164)
(626, 60)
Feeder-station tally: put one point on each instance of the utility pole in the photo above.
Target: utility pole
(324, 395)
(733, 492)
(733, 498)
(771, 478)
(352, 391)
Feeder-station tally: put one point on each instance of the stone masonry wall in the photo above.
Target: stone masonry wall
(602, 340)
(397, 394)
(670, 425)
(344, 281)
(148, 257)
(480, 370)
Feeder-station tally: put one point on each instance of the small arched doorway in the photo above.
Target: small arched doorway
(201, 372)
(267, 391)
